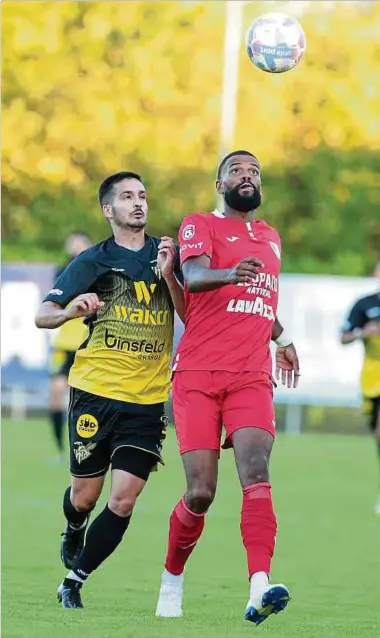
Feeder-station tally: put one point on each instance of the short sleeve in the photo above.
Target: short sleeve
(194, 237)
(355, 319)
(76, 279)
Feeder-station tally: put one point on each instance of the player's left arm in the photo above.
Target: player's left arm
(167, 262)
(287, 363)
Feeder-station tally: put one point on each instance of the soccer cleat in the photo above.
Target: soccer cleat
(170, 599)
(273, 600)
(69, 596)
(72, 545)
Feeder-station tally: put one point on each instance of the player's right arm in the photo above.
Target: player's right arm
(71, 286)
(196, 252)
(52, 315)
(357, 327)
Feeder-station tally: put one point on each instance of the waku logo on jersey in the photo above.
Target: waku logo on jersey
(138, 315)
(143, 292)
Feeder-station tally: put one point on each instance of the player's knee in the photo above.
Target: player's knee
(83, 502)
(256, 470)
(122, 504)
(199, 498)
(83, 497)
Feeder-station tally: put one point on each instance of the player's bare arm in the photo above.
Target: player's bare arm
(51, 315)
(165, 261)
(371, 329)
(199, 277)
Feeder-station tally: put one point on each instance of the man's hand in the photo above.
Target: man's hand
(166, 257)
(371, 329)
(84, 305)
(245, 270)
(287, 366)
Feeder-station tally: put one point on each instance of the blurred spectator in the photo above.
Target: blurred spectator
(65, 343)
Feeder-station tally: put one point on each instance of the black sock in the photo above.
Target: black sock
(74, 518)
(103, 536)
(57, 418)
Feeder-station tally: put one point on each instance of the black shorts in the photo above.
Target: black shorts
(98, 427)
(61, 362)
(372, 409)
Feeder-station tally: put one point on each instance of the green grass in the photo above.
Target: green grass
(327, 547)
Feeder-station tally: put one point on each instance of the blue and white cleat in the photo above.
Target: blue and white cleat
(272, 601)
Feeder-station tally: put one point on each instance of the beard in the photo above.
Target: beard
(242, 202)
(127, 224)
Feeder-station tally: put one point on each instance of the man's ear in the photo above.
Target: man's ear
(107, 211)
(219, 187)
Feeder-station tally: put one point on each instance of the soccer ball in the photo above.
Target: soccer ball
(275, 42)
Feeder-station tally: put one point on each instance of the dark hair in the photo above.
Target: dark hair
(227, 157)
(107, 185)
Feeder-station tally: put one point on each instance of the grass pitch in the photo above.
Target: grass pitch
(328, 547)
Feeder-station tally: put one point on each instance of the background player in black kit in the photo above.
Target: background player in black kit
(363, 324)
(120, 379)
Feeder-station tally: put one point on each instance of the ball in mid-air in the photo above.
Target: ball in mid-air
(275, 42)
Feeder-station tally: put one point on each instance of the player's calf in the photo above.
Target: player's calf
(77, 516)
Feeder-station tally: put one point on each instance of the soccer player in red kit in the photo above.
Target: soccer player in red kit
(222, 376)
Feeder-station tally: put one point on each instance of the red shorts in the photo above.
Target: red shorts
(203, 401)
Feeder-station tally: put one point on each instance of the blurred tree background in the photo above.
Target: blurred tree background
(90, 88)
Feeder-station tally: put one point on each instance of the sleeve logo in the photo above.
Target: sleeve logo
(188, 232)
(55, 291)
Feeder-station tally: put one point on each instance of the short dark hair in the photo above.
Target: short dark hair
(107, 185)
(227, 157)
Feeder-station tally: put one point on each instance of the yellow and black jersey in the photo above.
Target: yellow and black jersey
(365, 310)
(68, 337)
(128, 350)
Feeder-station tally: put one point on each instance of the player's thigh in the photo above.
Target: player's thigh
(90, 425)
(131, 468)
(137, 438)
(248, 402)
(197, 411)
(85, 492)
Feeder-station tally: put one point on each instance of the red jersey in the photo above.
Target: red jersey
(230, 328)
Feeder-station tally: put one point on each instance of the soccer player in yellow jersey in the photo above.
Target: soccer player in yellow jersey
(127, 288)
(363, 323)
(66, 341)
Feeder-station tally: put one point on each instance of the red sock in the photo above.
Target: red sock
(258, 527)
(184, 532)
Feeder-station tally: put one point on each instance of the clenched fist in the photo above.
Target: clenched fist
(84, 305)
